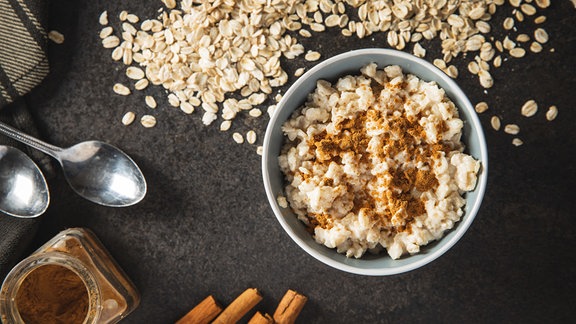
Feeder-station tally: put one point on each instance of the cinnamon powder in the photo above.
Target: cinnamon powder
(52, 294)
(408, 134)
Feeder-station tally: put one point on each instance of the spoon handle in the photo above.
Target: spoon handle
(29, 140)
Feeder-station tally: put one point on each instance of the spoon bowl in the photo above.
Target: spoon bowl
(97, 171)
(103, 174)
(23, 189)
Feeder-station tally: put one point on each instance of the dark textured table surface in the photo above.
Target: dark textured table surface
(205, 226)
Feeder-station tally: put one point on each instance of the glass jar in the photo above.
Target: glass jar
(73, 254)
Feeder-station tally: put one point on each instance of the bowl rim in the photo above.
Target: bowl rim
(462, 225)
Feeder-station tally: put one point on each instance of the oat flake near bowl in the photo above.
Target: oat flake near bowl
(376, 161)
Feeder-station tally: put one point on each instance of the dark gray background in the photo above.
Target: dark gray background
(205, 226)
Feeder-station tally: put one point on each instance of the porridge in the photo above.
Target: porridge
(376, 162)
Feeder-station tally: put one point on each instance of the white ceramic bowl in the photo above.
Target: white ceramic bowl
(332, 69)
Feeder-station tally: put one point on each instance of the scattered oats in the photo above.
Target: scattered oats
(150, 102)
(474, 44)
(128, 118)
(519, 16)
(210, 107)
(317, 27)
(499, 46)
(483, 27)
(348, 33)
(299, 72)
(237, 137)
(170, 4)
(541, 36)
(551, 113)
(186, 107)
(473, 67)
(255, 112)
(487, 52)
(117, 53)
(543, 3)
(271, 110)
(492, 7)
(251, 137)
(497, 61)
(332, 20)
(225, 125)
(508, 44)
(282, 202)
(127, 27)
(103, 19)
(56, 36)
(123, 14)
(495, 122)
(477, 13)
(278, 97)
(439, 63)
(148, 121)
(132, 18)
(127, 37)
(127, 56)
(105, 32)
(194, 101)
(516, 141)
(536, 47)
(528, 9)
(360, 30)
(539, 20)
(146, 25)
(481, 107)
(517, 52)
(392, 38)
(522, 38)
(529, 108)
(111, 41)
(416, 37)
(259, 150)
(208, 118)
(237, 46)
(419, 51)
(512, 129)
(486, 80)
(483, 66)
(456, 21)
(134, 73)
(312, 56)
(508, 23)
(121, 89)
(141, 84)
(305, 33)
(452, 71)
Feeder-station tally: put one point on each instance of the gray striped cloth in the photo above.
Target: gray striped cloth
(23, 61)
(23, 65)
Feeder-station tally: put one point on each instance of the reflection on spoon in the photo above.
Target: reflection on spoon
(23, 189)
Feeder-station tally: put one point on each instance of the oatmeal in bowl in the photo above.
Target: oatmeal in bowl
(371, 157)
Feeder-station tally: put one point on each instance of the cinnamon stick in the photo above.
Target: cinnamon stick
(203, 313)
(260, 318)
(239, 307)
(289, 307)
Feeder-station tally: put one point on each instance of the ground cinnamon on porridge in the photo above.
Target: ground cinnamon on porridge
(376, 161)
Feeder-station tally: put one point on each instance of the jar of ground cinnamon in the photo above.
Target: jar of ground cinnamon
(70, 279)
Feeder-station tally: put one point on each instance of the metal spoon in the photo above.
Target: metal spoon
(95, 170)
(23, 189)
